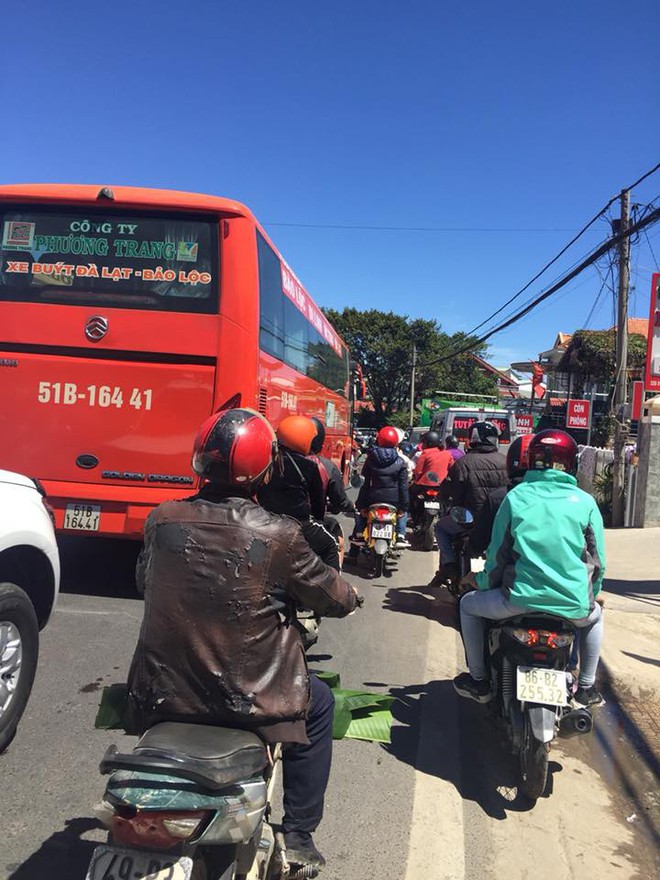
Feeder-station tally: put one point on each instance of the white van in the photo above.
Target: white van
(459, 419)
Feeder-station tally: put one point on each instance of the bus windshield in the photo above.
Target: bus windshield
(134, 261)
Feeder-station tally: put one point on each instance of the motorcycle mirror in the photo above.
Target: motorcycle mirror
(356, 481)
(461, 515)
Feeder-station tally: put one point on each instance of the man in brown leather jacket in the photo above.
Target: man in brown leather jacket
(221, 579)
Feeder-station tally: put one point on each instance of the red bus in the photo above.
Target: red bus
(129, 315)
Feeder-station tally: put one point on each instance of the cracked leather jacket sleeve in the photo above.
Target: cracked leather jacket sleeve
(314, 585)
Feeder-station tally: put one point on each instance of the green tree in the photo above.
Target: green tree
(591, 356)
(382, 343)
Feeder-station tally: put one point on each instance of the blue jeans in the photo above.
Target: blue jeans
(493, 605)
(445, 529)
(402, 521)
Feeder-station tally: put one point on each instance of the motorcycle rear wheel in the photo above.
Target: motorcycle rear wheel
(428, 533)
(533, 763)
(379, 566)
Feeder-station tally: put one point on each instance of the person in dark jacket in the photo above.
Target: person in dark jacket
(296, 488)
(469, 482)
(337, 501)
(221, 576)
(517, 465)
(385, 480)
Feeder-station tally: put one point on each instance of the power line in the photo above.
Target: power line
(611, 242)
(414, 228)
(561, 252)
(655, 259)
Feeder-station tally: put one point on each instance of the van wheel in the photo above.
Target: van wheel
(19, 652)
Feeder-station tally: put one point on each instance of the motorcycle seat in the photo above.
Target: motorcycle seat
(213, 757)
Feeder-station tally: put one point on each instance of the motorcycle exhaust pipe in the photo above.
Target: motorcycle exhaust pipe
(575, 722)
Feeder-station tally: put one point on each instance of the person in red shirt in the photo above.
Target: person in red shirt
(432, 466)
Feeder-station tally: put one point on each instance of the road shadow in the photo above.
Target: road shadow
(99, 566)
(64, 855)
(642, 659)
(442, 735)
(434, 603)
(646, 591)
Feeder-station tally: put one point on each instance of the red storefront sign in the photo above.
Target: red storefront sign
(653, 349)
(525, 424)
(578, 414)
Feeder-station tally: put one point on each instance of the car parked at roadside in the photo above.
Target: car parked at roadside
(29, 584)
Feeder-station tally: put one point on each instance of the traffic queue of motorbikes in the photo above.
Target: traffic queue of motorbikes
(532, 657)
(192, 800)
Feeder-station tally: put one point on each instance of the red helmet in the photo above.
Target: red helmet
(234, 447)
(517, 458)
(297, 433)
(553, 449)
(387, 436)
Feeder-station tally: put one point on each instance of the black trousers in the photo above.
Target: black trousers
(306, 768)
(321, 542)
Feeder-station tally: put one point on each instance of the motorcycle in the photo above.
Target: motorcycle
(379, 536)
(190, 801)
(425, 514)
(461, 546)
(529, 658)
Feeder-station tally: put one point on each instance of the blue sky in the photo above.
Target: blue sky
(480, 115)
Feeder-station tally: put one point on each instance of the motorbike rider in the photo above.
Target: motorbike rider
(468, 483)
(410, 467)
(220, 575)
(517, 465)
(453, 446)
(546, 555)
(337, 501)
(295, 487)
(432, 467)
(386, 481)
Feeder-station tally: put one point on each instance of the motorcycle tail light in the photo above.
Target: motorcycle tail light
(528, 637)
(558, 640)
(158, 830)
(383, 513)
(432, 493)
(539, 655)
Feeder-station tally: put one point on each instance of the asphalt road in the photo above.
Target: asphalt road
(439, 802)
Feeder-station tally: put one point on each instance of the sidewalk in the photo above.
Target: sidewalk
(631, 648)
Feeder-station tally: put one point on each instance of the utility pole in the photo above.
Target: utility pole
(412, 385)
(621, 374)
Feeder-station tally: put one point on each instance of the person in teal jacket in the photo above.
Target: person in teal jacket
(546, 554)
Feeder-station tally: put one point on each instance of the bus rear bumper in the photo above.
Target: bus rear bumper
(105, 511)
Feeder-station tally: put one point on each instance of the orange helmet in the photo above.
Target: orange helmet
(296, 433)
